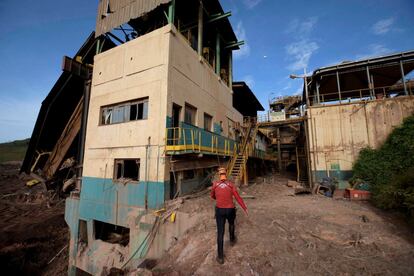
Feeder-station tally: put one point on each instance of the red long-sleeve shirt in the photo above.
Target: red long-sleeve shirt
(223, 191)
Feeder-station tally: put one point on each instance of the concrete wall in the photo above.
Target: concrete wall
(192, 80)
(337, 133)
(130, 71)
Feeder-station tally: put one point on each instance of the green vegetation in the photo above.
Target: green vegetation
(390, 169)
(13, 151)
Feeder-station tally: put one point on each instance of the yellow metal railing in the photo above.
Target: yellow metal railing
(182, 140)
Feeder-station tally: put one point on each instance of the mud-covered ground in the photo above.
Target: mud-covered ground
(32, 227)
(283, 235)
(294, 235)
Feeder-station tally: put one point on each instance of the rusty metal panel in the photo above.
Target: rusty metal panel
(121, 12)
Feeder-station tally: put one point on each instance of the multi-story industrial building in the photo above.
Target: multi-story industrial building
(161, 115)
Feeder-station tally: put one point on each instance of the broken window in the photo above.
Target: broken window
(125, 112)
(111, 233)
(190, 114)
(208, 120)
(126, 169)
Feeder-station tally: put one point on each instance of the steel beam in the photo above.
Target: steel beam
(234, 45)
(317, 92)
(171, 12)
(403, 77)
(279, 153)
(339, 86)
(369, 83)
(218, 17)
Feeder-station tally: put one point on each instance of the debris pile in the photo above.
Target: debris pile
(307, 234)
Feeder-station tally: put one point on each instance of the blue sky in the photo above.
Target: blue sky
(282, 37)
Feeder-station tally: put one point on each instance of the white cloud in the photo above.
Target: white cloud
(301, 50)
(301, 53)
(241, 35)
(287, 86)
(302, 28)
(383, 26)
(250, 4)
(375, 50)
(249, 80)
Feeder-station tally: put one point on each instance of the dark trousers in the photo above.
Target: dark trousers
(221, 215)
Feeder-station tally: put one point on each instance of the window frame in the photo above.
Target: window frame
(118, 161)
(126, 107)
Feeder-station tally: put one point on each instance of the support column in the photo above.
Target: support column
(98, 46)
(171, 12)
(218, 53)
(403, 77)
(317, 92)
(231, 69)
(339, 86)
(200, 29)
(279, 154)
(369, 83)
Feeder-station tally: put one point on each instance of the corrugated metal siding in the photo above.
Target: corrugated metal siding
(121, 12)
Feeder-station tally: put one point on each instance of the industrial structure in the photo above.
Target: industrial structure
(344, 108)
(151, 111)
(354, 105)
(147, 109)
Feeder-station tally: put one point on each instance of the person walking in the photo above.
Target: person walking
(222, 192)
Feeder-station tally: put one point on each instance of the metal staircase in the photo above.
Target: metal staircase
(237, 167)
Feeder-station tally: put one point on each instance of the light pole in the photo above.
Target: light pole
(305, 79)
(307, 122)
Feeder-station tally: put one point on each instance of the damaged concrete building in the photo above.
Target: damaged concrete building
(139, 118)
(353, 105)
(344, 108)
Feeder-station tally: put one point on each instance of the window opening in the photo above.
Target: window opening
(125, 112)
(111, 233)
(127, 169)
(190, 114)
(83, 232)
(208, 122)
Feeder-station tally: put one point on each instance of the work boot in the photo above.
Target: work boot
(220, 260)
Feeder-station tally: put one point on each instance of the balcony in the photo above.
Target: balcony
(190, 139)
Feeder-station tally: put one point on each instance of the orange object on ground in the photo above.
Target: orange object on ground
(357, 194)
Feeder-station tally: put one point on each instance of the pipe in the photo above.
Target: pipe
(218, 61)
(200, 29)
(146, 171)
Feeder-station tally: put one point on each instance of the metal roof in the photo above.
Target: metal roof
(244, 100)
(114, 13)
(385, 70)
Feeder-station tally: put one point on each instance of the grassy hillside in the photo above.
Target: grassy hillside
(13, 151)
